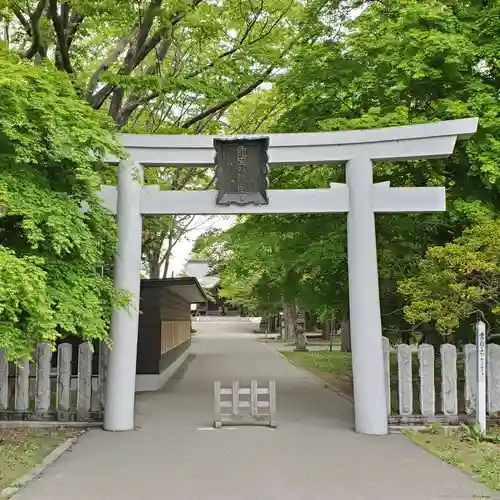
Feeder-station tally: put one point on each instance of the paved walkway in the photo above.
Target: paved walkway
(313, 455)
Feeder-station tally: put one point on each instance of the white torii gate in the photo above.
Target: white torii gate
(359, 197)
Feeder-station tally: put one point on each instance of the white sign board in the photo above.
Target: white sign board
(481, 374)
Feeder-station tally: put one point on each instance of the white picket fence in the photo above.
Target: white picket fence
(34, 390)
(423, 387)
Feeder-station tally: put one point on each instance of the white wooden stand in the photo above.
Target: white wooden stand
(251, 414)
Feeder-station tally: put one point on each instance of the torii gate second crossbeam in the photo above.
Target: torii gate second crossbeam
(359, 197)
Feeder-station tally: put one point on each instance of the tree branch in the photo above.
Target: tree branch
(241, 42)
(110, 59)
(75, 21)
(22, 19)
(146, 25)
(134, 101)
(155, 39)
(140, 49)
(136, 43)
(130, 59)
(226, 103)
(60, 30)
(36, 43)
(65, 8)
(116, 102)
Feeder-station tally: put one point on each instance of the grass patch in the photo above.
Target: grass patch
(21, 449)
(336, 369)
(335, 363)
(333, 367)
(478, 458)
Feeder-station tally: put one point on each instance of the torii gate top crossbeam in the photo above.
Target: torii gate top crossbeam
(430, 140)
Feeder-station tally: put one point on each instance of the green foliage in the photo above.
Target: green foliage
(52, 146)
(165, 66)
(161, 65)
(457, 281)
(479, 459)
(442, 65)
(473, 432)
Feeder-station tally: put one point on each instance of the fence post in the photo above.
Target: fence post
(253, 398)
(84, 393)
(427, 388)
(386, 345)
(471, 378)
(4, 380)
(272, 404)
(236, 399)
(405, 382)
(217, 406)
(449, 395)
(22, 398)
(493, 378)
(43, 390)
(103, 371)
(63, 395)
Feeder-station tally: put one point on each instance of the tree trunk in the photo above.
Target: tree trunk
(290, 319)
(166, 265)
(345, 336)
(326, 330)
(431, 336)
(154, 269)
(310, 322)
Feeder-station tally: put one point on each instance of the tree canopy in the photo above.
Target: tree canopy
(74, 72)
(394, 63)
(52, 146)
(164, 66)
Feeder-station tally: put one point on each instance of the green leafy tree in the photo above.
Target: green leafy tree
(156, 62)
(161, 66)
(52, 253)
(396, 63)
(458, 283)
(440, 66)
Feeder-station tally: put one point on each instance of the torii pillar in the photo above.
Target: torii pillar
(119, 411)
(370, 408)
(365, 199)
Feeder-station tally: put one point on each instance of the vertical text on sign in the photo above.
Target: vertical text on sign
(242, 176)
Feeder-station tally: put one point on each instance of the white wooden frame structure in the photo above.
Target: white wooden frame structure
(359, 197)
(253, 416)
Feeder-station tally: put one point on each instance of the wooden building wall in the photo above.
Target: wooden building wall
(175, 338)
(164, 328)
(164, 331)
(148, 345)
